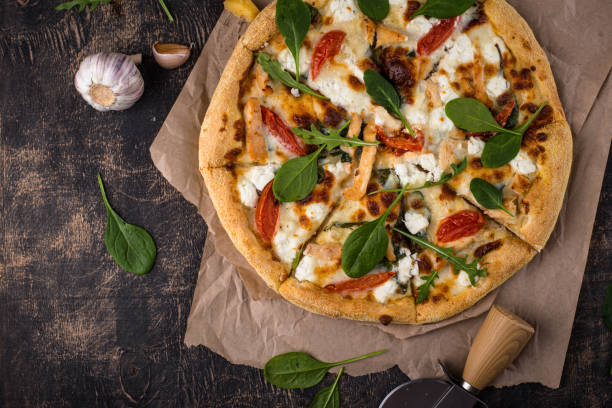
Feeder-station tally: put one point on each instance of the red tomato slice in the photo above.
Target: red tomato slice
(281, 132)
(462, 224)
(359, 284)
(326, 48)
(437, 35)
(406, 143)
(266, 213)
(503, 115)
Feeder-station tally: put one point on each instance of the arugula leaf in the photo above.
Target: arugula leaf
(474, 116)
(299, 370)
(93, 4)
(298, 257)
(384, 94)
(293, 20)
(366, 246)
(460, 263)
(443, 8)
(328, 397)
(455, 171)
(330, 141)
(163, 6)
(377, 10)
(274, 69)
(607, 308)
(500, 150)
(130, 245)
(487, 195)
(423, 289)
(297, 177)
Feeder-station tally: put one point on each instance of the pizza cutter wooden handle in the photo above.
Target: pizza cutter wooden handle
(498, 342)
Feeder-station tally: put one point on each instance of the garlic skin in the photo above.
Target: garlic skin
(109, 81)
(170, 56)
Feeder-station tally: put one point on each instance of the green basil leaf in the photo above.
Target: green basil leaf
(330, 141)
(293, 21)
(487, 195)
(500, 150)
(460, 263)
(130, 245)
(299, 370)
(273, 68)
(443, 8)
(377, 10)
(364, 248)
(384, 94)
(607, 307)
(423, 289)
(328, 397)
(472, 115)
(296, 178)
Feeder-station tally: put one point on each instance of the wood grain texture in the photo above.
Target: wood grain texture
(75, 329)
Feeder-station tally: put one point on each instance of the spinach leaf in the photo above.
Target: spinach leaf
(273, 68)
(455, 171)
(330, 141)
(460, 263)
(487, 195)
(443, 8)
(366, 246)
(328, 397)
(299, 370)
(377, 10)
(500, 150)
(293, 21)
(423, 289)
(607, 307)
(296, 178)
(474, 116)
(130, 245)
(384, 94)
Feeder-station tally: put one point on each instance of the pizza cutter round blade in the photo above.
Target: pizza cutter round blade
(500, 339)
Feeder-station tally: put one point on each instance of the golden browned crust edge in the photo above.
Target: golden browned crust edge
(501, 264)
(235, 219)
(318, 300)
(546, 194)
(261, 29)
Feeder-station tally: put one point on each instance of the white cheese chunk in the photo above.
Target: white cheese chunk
(418, 26)
(261, 175)
(295, 92)
(497, 86)
(290, 234)
(407, 267)
(306, 269)
(415, 222)
(342, 10)
(428, 162)
(464, 279)
(248, 193)
(439, 123)
(475, 146)
(447, 93)
(409, 173)
(461, 52)
(285, 59)
(523, 164)
(385, 291)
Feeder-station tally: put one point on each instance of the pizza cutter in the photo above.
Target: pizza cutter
(500, 339)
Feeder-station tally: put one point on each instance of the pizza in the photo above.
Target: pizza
(389, 161)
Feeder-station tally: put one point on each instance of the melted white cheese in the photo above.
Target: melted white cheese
(497, 86)
(415, 222)
(261, 175)
(475, 146)
(523, 164)
(248, 192)
(385, 291)
(342, 10)
(407, 267)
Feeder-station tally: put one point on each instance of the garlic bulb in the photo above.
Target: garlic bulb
(110, 81)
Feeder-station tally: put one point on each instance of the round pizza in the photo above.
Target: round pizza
(386, 160)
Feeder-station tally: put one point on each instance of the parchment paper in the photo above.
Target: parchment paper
(236, 315)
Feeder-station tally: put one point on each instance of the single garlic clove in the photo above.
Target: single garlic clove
(109, 81)
(170, 55)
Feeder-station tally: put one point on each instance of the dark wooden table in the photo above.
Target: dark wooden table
(75, 329)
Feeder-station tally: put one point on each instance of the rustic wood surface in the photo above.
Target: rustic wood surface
(75, 329)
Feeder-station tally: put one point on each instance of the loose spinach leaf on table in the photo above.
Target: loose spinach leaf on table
(299, 370)
(293, 20)
(273, 68)
(377, 10)
(443, 8)
(93, 4)
(130, 245)
(328, 397)
(366, 246)
(384, 94)
(297, 177)
(487, 195)
(460, 263)
(331, 140)
(455, 171)
(423, 290)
